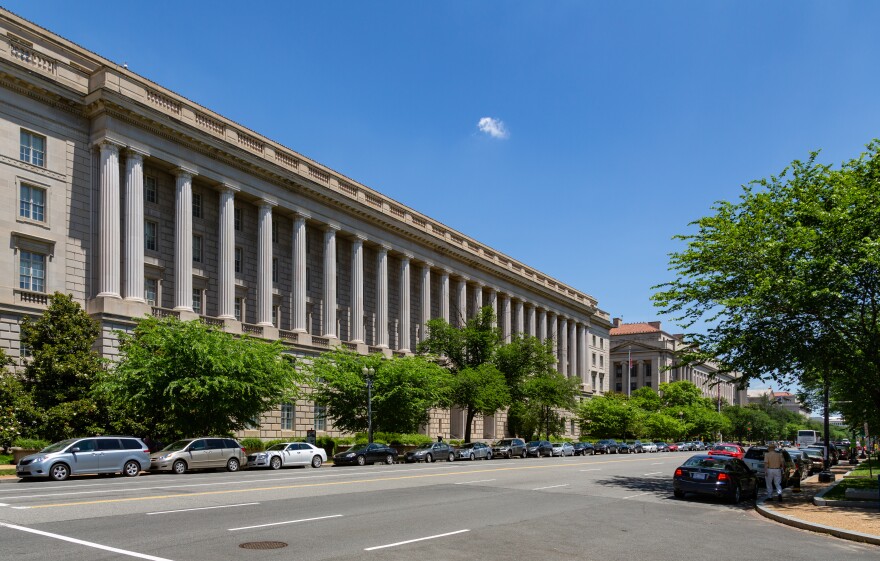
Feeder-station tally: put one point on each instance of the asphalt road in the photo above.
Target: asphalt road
(600, 507)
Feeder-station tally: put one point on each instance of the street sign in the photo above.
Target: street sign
(310, 436)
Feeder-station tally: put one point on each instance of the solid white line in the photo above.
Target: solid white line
(593, 469)
(85, 543)
(634, 496)
(20, 507)
(550, 487)
(658, 463)
(200, 508)
(285, 522)
(3, 504)
(654, 473)
(416, 540)
(469, 482)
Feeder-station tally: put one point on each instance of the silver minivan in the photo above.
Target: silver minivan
(199, 453)
(97, 454)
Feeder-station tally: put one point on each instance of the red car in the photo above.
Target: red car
(673, 448)
(726, 449)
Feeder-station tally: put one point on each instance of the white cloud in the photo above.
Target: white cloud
(493, 127)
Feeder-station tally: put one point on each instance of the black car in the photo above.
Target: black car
(539, 448)
(637, 447)
(624, 448)
(509, 447)
(584, 449)
(366, 454)
(430, 452)
(608, 446)
(719, 476)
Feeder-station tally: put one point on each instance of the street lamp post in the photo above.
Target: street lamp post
(368, 373)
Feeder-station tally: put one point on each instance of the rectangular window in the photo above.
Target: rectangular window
(602, 361)
(618, 371)
(647, 370)
(151, 291)
(33, 149)
(238, 259)
(287, 412)
(594, 359)
(619, 386)
(197, 301)
(320, 418)
(601, 343)
(197, 249)
(197, 205)
(32, 203)
(32, 271)
(594, 340)
(151, 234)
(274, 269)
(275, 314)
(151, 189)
(237, 219)
(274, 232)
(239, 306)
(23, 350)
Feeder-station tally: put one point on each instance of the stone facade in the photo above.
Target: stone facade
(139, 202)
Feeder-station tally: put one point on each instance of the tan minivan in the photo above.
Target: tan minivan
(206, 452)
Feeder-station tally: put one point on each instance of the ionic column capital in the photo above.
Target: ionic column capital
(135, 154)
(184, 173)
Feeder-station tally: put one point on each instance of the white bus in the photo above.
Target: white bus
(807, 437)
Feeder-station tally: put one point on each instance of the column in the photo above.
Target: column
(461, 302)
(299, 273)
(382, 298)
(183, 240)
(426, 298)
(108, 281)
(530, 320)
(330, 280)
(134, 226)
(563, 346)
(582, 354)
(404, 304)
(553, 335)
(444, 295)
(357, 290)
(573, 365)
(226, 257)
(493, 303)
(264, 264)
(542, 325)
(478, 298)
(505, 318)
(519, 309)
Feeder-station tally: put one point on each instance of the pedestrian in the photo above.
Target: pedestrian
(774, 462)
(439, 439)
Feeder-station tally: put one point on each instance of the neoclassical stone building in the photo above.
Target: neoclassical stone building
(650, 355)
(139, 201)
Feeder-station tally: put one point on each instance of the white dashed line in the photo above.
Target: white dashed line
(200, 508)
(634, 496)
(478, 481)
(550, 487)
(416, 540)
(285, 522)
(85, 543)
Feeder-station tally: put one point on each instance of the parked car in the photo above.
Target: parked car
(539, 448)
(509, 447)
(623, 448)
(563, 449)
(801, 461)
(99, 454)
(637, 447)
(728, 449)
(833, 453)
(754, 458)
(288, 454)
(430, 452)
(672, 447)
(474, 451)
(683, 446)
(650, 447)
(205, 452)
(606, 446)
(662, 447)
(817, 461)
(362, 454)
(719, 476)
(584, 449)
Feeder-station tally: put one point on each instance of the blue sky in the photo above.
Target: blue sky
(624, 121)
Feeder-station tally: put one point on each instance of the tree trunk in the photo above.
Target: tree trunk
(470, 420)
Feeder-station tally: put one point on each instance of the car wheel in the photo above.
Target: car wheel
(233, 464)
(275, 463)
(59, 472)
(489, 455)
(450, 457)
(592, 452)
(429, 458)
(179, 467)
(472, 458)
(678, 494)
(389, 459)
(361, 461)
(736, 496)
(317, 461)
(525, 454)
(131, 468)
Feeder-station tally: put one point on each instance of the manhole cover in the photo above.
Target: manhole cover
(262, 545)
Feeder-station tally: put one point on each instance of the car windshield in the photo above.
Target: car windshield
(557, 444)
(278, 447)
(358, 448)
(755, 453)
(468, 445)
(425, 446)
(175, 446)
(58, 446)
(535, 443)
(504, 443)
(704, 462)
(725, 449)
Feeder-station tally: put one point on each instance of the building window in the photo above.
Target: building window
(237, 219)
(197, 205)
(618, 387)
(594, 359)
(239, 306)
(33, 149)
(274, 232)
(275, 316)
(24, 351)
(197, 249)
(594, 340)
(32, 203)
(308, 278)
(151, 291)
(274, 269)
(151, 189)
(151, 230)
(618, 371)
(197, 300)
(238, 259)
(308, 242)
(320, 418)
(287, 412)
(647, 370)
(601, 343)
(32, 271)
(602, 361)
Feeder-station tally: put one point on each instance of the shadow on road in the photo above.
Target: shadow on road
(662, 489)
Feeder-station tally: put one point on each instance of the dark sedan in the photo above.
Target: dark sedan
(584, 449)
(718, 476)
(624, 448)
(539, 448)
(430, 452)
(608, 446)
(366, 454)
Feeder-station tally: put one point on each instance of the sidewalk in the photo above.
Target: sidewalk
(797, 509)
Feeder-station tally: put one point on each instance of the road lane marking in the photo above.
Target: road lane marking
(593, 469)
(85, 543)
(3, 504)
(285, 522)
(658, 463)
(634, 496)
(200, 508)
(321, 484)
(655, 472)
(477, 481)
(550, 487)
(416, 540)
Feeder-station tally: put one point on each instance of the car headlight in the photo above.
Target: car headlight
(350, 455)
(38, 459)
(165, 456)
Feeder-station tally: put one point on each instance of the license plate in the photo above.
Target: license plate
(699, 476)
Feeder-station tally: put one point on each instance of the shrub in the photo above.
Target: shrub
(31, 443)
(327, 443)
(252, 444)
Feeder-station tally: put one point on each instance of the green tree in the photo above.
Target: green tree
(659, 425)
(404, 390)
(176, 379)
(680, 394)
(646, 399)
(610, 416)
(62, 368)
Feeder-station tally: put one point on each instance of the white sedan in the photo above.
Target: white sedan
(288, 454)
(649, 447)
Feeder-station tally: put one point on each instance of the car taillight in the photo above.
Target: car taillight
(678, 472)
(243, 451)
(147, 451)
(722, 477)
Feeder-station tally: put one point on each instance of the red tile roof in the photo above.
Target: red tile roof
(633, 328)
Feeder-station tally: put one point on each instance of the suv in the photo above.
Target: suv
(584, 449)
(199, 453)
(430, 452)
(754, 458)
(637, 447)
(539, 448)
(509, 447)
(99, 454)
